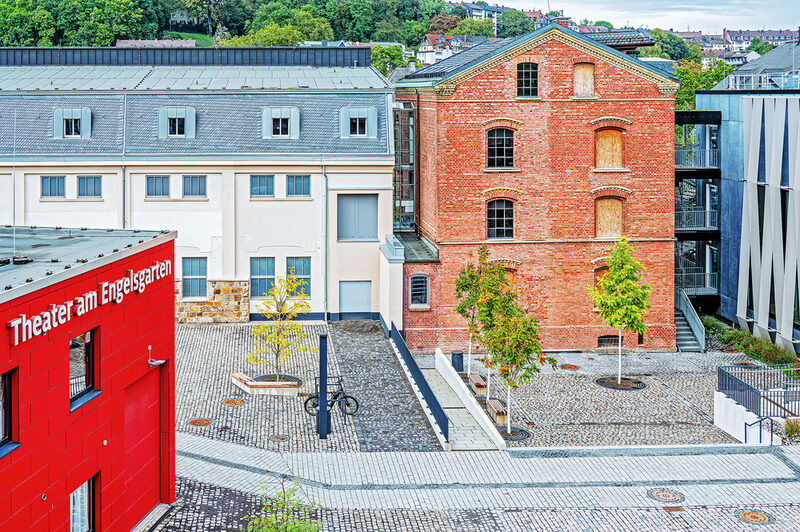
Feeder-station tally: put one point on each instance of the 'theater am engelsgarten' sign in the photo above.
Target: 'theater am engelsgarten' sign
(23, 328)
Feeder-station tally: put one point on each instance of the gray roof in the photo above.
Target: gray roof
(186, 78)
(627, 38)
(459, 60)
(53, 254)
(783, 58)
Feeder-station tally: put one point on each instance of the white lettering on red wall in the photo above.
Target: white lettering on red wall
(23, 328)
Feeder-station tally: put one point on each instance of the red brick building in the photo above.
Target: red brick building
(86, 418)
(547, 147)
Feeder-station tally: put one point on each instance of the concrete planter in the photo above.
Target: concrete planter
(281, 387)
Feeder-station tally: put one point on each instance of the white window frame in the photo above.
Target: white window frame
(73, 135)
(177, 126)
(427, 279)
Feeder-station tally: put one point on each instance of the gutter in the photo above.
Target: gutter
(124, 184)
(325, 252)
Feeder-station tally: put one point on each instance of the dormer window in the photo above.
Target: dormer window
(177, 126)
(358, 126)
(72, 127)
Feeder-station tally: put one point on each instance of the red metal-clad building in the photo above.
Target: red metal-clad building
(547, 148)
(86, 378)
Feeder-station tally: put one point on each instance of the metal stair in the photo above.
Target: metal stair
(685, 340)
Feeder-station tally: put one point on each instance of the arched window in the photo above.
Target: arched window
(527, 80)
(608, 148)
(501, 148)
(583, 80)
(608, 217)
(599, 274)
(500, 219)
(419, 291)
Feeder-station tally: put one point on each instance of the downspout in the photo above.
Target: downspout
(325, 252)
(124, 184)
(416, 166)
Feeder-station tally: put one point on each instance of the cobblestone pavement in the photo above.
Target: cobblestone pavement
(567, 408)
(389, 417)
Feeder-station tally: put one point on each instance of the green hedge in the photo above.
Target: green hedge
(759, 348)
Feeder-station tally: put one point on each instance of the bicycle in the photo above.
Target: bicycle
(347, 403)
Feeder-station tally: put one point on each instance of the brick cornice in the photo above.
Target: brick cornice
(664, 84)
(505, 122)
(610, 190)
(502, 192)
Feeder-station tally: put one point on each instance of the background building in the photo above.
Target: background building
(547, 148)
(265, 161)
(87, 427)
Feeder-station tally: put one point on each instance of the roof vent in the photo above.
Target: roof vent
(21, 259)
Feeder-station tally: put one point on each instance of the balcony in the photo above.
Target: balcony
(697, 282)
(688, 157)
(765, 81)
(696, 220)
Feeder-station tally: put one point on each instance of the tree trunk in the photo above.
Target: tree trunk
(469, 356)
(619, 358)
(508, 409)
(210, 34)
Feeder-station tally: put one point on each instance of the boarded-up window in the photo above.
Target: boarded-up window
(608, 148)
(510, 274)
(583, 80)
(608, 217)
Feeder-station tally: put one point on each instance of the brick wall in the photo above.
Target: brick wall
(227, 302)
(554, 187)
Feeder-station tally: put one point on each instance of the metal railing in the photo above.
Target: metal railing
(766, 391)
(696, 157)
(758, 422)
(763, 81)
(696, 219)
(683, 304)
(77, 384)
(697, 283)
(425, 389)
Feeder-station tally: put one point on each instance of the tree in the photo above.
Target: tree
(443, 23)
(459, 11)
(604, 23)
(283, 512)
(652, 51)
(619, 297)
(209, 9)
(312, 28)
(234, 15)
(476, 28)
(467, 293)
(97, 22)
(430, 8)
(351, 20)
(388, 31)
(762, 47)
(387, 58)
(277, 339)
(693, 78)
(408, 9)
(414, 31)
(24, 24)
(513, 23)
(675, 47)
(269, 35)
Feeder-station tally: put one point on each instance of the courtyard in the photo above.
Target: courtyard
(385, 470)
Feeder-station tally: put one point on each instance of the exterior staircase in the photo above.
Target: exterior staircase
(685, 339)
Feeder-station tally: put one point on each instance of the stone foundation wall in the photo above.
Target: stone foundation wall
(228, 302)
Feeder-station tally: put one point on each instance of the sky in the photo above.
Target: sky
(709, 16)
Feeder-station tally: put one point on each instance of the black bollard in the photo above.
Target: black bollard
(322, 419)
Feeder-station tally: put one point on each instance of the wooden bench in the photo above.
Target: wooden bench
(477, 383)
(254, 387)
(497, 411)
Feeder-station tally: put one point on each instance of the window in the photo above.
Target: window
(280, 122)
(298, 185)
(89, 186)
(5, 408)
(608, 148)
(500, 219)
(157, 186)
(81, 508)
(419, 291)
(358, 126)
(72, 127)
(608, 340)
(527, 80)
(358, 122)
(176, 126)
(53, 186)
(583, 80)
(262, 275)
(194, 277)
(599, 273)
(608, 217)
(280, 127)
(501, 148)
(81, 364)
(357, 217)
(194, 186)
(261, 185)
(301, 268)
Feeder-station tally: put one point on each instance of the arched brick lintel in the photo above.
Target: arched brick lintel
(502, 193)
(611, 191)
(501, 122)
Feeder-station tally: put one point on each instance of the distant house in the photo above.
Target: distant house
(738, 58)
(741, 39)
(483, 11)
(182, 16)
(435, 47)
(326, 44)
(152, 43)
(667, 65)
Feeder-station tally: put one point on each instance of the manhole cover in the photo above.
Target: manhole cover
(754, 517)
(623, 384)
(517, 433)
(665, 495)
(200, 422)
(279, 437)
(233, 402)
(569, 367)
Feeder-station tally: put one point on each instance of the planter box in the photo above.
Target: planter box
(253, 387)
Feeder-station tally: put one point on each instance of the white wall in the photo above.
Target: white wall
(70, 211)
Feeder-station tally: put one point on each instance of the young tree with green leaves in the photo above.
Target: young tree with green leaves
(97, 22)
(269, 35)
(513, 23)
(281, 334)
(283, 512)
(475, 28)
(25, 23)
(468, 293)
(604, 23)
(387, 58)
(619, 296)
(762, 47)
(693, 78)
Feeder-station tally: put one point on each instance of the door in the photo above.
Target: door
(712, 206)
(712, 266)
(142, 447)
(355, 300)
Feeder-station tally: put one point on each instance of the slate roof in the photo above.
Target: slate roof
(477, 54)
(783, 58)
(624, 38)
(51, 250)
(186, 78)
